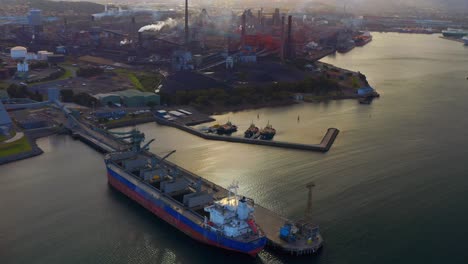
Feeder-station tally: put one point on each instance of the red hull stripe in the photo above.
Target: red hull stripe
(167, 217)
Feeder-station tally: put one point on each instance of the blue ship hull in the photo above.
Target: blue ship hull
(141, 193)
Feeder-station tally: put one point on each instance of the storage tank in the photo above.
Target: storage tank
(18, 53)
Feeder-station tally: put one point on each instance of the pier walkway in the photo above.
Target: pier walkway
(324, 145)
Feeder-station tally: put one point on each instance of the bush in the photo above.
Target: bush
(39, 65)
(85, 99)
(89, 71)
(17, 91)
(67, 95)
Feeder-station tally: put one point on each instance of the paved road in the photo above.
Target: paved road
(18, 136)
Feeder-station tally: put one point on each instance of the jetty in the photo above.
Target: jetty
(323, 146)
(269, 221)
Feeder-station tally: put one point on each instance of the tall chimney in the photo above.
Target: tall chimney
(186, 25)
(289, 43)
(243, 30)
(140, 39)
(282, 39)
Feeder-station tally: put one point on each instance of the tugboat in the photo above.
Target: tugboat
(251, 132)
(213, 129)
(268, 132)
(227, 128)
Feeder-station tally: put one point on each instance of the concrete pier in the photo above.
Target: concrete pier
(324, 146)
(269, 222)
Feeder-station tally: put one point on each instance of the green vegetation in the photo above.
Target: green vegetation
(3, 138)
(143, 81)
(60, 74)
(89, 72)
(20, 91)
(253, 95)
(85, 99)
(39, 65)
(3, 85)
(13, 148)
(67, 95)
(135, 81)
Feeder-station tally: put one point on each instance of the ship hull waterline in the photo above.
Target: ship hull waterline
(118, 182)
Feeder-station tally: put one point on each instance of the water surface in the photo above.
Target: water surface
(391, 190)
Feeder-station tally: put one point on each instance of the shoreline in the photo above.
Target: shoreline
(32, 137)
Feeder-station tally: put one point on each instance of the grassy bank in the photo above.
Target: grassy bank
(14, 148)
(143, 81)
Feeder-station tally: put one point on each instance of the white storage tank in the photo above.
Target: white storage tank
(18, 53)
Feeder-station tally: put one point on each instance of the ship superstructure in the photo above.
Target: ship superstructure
(194, 206)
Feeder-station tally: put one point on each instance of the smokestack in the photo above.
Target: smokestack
(282, 39)
(133, 20)
(243, 30)
(186, 25)
(289, 44)
(140, 39)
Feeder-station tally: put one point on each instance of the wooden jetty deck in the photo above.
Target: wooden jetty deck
(324, 145)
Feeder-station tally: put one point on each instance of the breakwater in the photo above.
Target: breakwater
(323, 146)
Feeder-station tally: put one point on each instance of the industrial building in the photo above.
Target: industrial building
(108, 98)
(129, 98)
(5, 120)
(135, 98)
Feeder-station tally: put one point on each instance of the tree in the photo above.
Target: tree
(151, 105)
(67, 95)
(17, 91)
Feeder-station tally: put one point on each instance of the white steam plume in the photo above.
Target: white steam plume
(159, 25)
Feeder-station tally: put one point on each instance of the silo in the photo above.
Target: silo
(18, 53)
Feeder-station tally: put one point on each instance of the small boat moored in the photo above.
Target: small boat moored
(252, 131)
(268, 132)
(227, 128)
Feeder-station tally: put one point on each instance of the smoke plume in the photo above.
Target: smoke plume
(159, 25)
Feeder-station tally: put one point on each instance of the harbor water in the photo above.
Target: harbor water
(392, 189)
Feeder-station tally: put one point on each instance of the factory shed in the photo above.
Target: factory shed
(108, 98)
(135, 98)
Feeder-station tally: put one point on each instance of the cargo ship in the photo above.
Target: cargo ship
(454, 33)
(198, 208)
(363, 39)
(251, 132)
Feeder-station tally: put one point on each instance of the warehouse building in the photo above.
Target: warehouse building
(135, 98)
(108, 98)
(129, 98)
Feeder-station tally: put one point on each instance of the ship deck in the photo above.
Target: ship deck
(269, 221)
